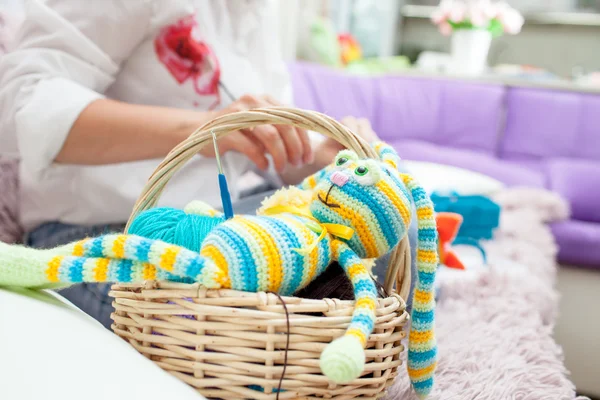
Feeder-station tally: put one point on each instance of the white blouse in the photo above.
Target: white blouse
(154, 52)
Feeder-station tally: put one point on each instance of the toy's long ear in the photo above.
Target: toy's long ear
(387, 154)
(422, 346)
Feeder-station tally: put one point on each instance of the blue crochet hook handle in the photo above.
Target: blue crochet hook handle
(225, 196)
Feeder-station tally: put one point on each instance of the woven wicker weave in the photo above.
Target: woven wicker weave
(232, 345)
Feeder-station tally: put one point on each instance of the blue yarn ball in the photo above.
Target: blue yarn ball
(174, 226)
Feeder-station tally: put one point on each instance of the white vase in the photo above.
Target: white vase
(470, 48)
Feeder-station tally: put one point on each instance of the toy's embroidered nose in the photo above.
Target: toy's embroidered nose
(339, 179)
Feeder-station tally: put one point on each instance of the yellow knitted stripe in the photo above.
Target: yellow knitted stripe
(369, 230)
(311, 181)
(424, 213)
(357, 333)
(222, 275)
(399, 204)
(53, 266)
(335, 249)
(429, 256)
(421, 373)
(417, 337)
(422, 297)
(269, 248)
(355, 270)
(101, 270)
(118, 247)
(167, 258)
(392, 163)
(309, 237)
(314, 262)
(366, 302)
(361, 228)
(79, 248)
(149, 272)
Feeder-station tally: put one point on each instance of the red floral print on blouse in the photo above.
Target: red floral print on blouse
(187, 57)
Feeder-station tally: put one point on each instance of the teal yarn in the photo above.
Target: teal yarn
(182, 228)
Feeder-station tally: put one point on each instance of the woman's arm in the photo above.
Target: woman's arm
(109, 131)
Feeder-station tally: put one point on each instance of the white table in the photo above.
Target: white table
(51, 350)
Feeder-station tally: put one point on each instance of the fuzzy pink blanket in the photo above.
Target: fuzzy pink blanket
(495, 322)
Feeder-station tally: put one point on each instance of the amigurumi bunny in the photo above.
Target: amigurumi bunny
(360, 209)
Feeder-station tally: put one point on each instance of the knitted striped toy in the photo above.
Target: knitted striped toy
(360, 209)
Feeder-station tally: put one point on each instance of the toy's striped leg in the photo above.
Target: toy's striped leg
(109, 258)
(422, 347)
(25, 267)
(71, 269)
(174, 259)
(343, 360)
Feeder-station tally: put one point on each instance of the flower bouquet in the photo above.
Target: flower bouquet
(473, 24)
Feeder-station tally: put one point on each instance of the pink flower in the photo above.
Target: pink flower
(445, 29)
(488, 9)
(458, 13)
(187, 57)
(442, 12)
(511, 20)
(438, 17)
(477, 17)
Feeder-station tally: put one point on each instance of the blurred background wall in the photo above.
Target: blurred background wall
(561, 36)
(558, 35)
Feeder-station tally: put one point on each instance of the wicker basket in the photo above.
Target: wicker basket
(234, 345)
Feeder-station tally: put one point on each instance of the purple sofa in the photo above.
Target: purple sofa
(520, 136)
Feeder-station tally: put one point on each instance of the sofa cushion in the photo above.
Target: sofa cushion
(332, 92)
(460, 114)
(546, 123)
(510, 173)
(451, 113)
(578, 181)
(578, 241)
(443, 178)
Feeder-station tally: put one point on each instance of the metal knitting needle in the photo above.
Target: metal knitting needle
(225, 196)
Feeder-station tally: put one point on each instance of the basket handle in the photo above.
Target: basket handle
(310, 120)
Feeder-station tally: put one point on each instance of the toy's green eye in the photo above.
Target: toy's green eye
(361, 171)
(341, 161)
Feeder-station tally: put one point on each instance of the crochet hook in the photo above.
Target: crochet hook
(225, 196)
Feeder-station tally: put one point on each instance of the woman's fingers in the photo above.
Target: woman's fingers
(308, 155)
(271, 140)
(250, 147)
(360, 126)
(285, 143)
(293, 145)
(350, 123)
(296, 140)
(366, 131)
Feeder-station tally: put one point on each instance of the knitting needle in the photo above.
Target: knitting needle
(225, 196)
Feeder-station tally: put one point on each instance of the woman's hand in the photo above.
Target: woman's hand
(285, 144)
(329, 148)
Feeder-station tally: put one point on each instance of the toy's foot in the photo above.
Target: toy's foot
(343, 360)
